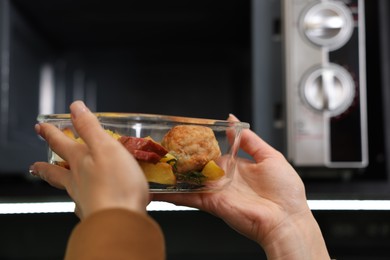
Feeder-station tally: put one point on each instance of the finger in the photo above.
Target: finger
(87, 125)
(78, 212)
(252, 144)
(56, 176)
(57, 140)
(256, 147)
(233, 118)
(231, 131)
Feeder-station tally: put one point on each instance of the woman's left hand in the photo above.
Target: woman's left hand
(102, 174)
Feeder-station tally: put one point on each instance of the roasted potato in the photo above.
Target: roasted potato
(212, 171)
(160, 172)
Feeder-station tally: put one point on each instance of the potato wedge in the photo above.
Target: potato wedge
(113, 134)
(160, 172)
(212, 171)
(69, 133)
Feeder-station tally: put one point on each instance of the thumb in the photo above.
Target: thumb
(253, 145)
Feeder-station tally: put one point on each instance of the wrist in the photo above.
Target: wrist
(297, 238)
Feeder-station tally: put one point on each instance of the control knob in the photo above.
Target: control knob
(327, 24)
(328, 88)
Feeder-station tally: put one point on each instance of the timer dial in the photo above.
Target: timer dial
(330, 88)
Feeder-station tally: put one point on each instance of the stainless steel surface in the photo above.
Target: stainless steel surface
(322, 82)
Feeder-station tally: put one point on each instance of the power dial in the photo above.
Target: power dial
(330, 88)
(327, 24)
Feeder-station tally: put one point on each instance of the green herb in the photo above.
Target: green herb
(193, 177)
(173, 163)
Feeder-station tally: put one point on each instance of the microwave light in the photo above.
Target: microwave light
(68, 207)
(349, 204)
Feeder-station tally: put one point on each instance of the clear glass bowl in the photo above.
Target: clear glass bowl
(200, 154)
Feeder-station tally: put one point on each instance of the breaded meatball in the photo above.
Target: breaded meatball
(192, 145)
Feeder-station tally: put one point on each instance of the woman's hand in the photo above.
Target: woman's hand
(103, 174)
(266, 202)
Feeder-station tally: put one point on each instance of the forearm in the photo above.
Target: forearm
(116, 234)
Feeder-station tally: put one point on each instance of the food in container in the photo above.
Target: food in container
(176, 154)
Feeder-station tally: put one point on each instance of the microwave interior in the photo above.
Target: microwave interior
(174, 58)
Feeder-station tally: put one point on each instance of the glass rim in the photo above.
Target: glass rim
(153, 118)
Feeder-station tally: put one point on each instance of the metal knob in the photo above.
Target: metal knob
(329, 88)
(327, 24)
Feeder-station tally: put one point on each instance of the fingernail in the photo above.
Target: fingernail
(77, 108)
(232, 117)
(37, 128)
(32, 171)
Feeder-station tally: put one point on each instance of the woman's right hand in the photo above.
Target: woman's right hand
(266, 202)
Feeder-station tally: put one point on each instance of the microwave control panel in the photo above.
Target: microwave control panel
(325, 83)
